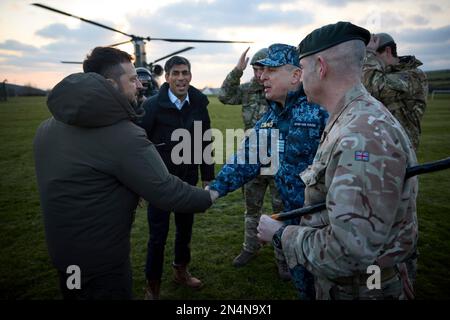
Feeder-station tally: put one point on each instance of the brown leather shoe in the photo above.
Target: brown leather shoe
(183, 277)
(152, 290)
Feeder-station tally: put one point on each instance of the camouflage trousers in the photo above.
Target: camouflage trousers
(254, 192)
(411, 265)
(391, 289)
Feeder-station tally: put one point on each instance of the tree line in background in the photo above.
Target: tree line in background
(437, 80)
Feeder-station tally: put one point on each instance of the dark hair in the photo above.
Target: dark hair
(175, 60)
(106, 62)
(391, 45)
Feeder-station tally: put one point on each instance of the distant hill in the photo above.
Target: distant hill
(15, 90)
(211, 91)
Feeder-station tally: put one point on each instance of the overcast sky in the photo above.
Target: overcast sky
(34, 40)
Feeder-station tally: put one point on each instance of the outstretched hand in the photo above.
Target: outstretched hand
(212, 193)
(243, 60)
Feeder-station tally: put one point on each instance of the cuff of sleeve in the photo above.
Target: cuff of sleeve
(213, 186)
(276, 239)
(292, 243)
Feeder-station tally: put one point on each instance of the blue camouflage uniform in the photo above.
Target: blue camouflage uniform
(300, 125)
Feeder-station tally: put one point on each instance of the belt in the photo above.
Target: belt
(361, 278)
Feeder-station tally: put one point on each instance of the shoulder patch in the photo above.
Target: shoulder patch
(362, 156)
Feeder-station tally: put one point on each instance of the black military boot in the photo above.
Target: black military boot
(243, 258)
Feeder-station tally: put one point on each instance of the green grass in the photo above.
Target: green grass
(26, 272)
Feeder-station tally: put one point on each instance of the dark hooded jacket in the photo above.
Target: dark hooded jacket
(92, 163)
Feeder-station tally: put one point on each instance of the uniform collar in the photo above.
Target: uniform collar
(404, 63)
(291, 99)
(351, 95)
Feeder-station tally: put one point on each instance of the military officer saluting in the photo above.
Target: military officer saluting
(359, 170)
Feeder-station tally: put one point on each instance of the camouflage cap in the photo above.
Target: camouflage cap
(384, 39)
(331, 35)
(279, 55)
(259, 55)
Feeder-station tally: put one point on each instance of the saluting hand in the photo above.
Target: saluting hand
(243, 60)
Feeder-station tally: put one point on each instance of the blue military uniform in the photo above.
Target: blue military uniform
(300, 125)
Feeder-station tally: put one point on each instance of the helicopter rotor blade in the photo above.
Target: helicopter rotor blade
(118, 44)
(133, 36)
(72, 62)
(173, 53)
(82, 19)
(196, 40)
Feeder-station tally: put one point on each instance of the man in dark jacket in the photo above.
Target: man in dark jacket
(179, 109)
(92, 163)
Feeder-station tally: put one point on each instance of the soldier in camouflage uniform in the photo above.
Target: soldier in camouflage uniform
(402, 88)
(254, 105)
(299, 125)
(397, 83)
(358, 171)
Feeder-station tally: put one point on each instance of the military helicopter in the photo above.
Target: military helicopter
(140, 57)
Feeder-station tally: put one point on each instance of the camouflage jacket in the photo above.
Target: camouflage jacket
(300, 125)
(402, 88)
(359, 172)
(250, 95)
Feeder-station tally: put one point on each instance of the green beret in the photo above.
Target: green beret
(330, 35)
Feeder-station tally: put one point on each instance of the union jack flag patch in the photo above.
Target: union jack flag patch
(362, 156)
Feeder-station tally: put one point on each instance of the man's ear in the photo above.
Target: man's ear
(388, 51)
(322, 67)
(296, 76)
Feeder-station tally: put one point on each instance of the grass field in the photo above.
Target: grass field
(26, 272)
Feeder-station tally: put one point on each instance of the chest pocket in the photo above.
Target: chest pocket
(311, 128)
(302, 141)
(315, 191)
(314, 179)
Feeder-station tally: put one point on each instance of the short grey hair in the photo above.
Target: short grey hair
(347, 57)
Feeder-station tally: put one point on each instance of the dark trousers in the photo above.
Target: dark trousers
(158, 223)
(115, 284)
